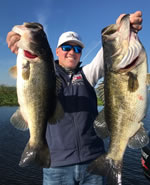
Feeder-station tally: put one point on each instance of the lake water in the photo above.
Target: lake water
(13, 141)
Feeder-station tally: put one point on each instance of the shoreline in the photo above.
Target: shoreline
(8, 96)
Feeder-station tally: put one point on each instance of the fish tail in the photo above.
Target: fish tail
(39, 155)
(105, 166)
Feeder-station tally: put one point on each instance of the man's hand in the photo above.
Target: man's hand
(135, 20)
(12, 41)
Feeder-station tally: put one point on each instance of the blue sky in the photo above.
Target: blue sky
(87, 17)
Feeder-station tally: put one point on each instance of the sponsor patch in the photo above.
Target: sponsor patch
(77, 79)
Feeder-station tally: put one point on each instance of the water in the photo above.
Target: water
(12, 143)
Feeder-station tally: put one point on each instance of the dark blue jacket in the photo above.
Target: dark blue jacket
(73, 139)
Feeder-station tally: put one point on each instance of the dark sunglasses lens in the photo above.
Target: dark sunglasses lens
(77, 49)
(66, 47)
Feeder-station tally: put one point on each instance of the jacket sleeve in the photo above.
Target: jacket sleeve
(95, 70)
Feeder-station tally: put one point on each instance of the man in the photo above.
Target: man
(73, 142)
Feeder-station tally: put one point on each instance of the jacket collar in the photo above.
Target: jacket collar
(69, 71)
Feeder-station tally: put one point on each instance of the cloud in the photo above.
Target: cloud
(43, 13)
(42, 19)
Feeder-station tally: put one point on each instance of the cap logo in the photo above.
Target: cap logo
(73, 36)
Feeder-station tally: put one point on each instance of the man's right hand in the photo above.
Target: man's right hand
(12, 41)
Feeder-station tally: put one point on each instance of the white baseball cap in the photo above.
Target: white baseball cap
(70, 36)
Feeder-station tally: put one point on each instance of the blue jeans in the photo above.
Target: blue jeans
(71, 175)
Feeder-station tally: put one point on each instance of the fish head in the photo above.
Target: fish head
(120, 44)
(33, 39)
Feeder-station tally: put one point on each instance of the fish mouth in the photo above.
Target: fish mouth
(124, 43)
(130, 66)
(35, 35)
(130, 59)
(34, 26)
(112, 31)
(29, 54)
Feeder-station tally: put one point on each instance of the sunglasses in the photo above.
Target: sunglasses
(77, 49)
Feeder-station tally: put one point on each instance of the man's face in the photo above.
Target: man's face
(68, 59)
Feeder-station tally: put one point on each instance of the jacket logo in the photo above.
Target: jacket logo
(77, 79)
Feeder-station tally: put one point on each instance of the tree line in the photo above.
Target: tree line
(8, 96)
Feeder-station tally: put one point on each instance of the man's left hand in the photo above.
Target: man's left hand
(135, 20)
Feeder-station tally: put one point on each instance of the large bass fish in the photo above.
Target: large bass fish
(125, 98)
(36, 91)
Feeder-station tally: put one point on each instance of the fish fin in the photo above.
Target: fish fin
(100, 125)
(100, 92)
(133, 83)
(26, 71)
(13, 71)
(39, 155)
(58, 85)
(58, 114)
(148, 79)
(18, 121)
(107, 167)
(140, 139)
